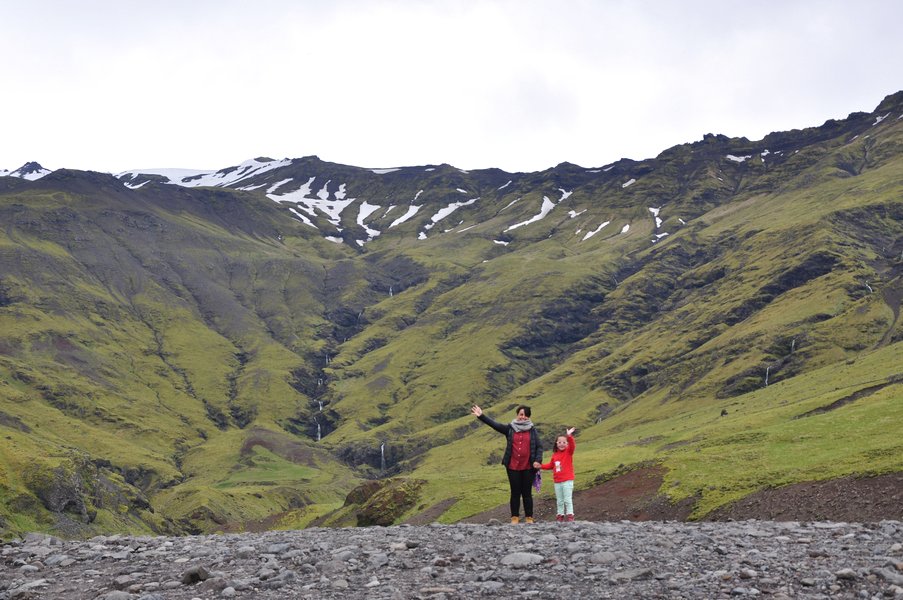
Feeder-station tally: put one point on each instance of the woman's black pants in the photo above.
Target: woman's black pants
(521, 487)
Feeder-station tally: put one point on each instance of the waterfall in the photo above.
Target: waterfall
(767, 369)
(382, 456)
(792, 345)
(318, 431)
(390, 291)
(320, 402)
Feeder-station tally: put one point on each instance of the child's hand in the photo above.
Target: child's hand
(571, 430)
(537, 465)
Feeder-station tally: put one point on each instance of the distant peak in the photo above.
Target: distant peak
(30, 170)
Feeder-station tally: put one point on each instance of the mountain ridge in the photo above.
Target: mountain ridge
(188, 358)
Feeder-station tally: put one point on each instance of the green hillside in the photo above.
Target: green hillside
(184, 360)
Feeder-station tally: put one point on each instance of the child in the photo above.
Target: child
(562, 466)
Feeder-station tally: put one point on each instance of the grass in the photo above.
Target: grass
(160, 335)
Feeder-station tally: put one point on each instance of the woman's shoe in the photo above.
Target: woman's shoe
(515, 520)
(530, 520)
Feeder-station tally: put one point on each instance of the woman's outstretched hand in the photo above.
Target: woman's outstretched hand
(571, 430)
(476, 410)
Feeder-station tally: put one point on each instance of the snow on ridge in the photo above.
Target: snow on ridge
(879, 119)
(222, 178)
(277, 185)
(738, 159)
(365, 211)
(323, 194)
(33, 175)
(302, 200)
(174, 176)
(442, 214)
(231, 176)
(450, 209)
(595, 231)
(655, 212)
(384, 171)
(511, 203)
(303, 218)
(547, 206)
(412, 210)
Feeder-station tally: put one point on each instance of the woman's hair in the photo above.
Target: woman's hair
(526, 409)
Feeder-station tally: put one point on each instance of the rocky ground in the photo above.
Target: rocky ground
(650, 559)
(627, 543)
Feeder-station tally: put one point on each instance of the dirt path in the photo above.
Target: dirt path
(634, 496)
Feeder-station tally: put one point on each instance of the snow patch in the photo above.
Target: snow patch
(412, 210)
(365, 211)
(277, 185)
(595, 231)
(510, 203)
(506, 185)
(547, 206)
(628, 183)
(738, 159)
(879, 119)
(384, 171)
(655, 212)
(626, 228)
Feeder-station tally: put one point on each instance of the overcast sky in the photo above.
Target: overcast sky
(521, 85)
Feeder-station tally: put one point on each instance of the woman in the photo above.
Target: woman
(523, 449)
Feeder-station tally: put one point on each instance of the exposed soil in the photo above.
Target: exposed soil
(635, 496)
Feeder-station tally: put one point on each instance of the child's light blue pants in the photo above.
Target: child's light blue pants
(564, 495)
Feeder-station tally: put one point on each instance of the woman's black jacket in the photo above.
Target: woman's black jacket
(508, 431)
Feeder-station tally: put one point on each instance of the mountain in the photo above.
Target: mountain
(294, 342)
(29, 171)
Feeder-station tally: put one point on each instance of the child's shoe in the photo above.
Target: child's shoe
(515, 520)
(530, 520)
(559, 518)
(570, 517)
